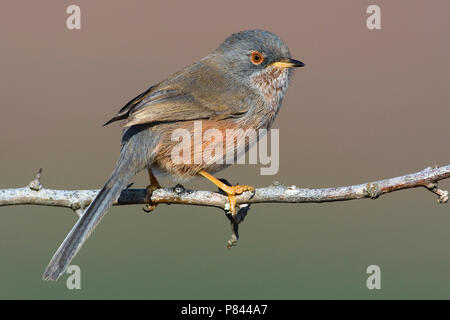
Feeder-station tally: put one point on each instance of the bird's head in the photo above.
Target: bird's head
(260, 59)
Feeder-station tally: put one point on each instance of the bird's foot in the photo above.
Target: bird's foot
(154, 184)
(232, 191)
(238, 216)
(150, 206)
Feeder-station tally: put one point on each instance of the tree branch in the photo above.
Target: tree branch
(78, 200)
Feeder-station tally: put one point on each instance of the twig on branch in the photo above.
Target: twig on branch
(36, 183)
(276, 193)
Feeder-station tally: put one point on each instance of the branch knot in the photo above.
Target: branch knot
(372, 190)
(36, 183)
(443, 194)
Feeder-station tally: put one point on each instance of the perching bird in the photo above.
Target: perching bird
(240, 85)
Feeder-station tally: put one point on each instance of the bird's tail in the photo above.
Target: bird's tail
(118, 181)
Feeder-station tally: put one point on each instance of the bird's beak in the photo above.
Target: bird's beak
(288, 63)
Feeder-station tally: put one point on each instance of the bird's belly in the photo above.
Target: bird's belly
(185, 148)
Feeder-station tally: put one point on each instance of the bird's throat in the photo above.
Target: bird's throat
(272, 83)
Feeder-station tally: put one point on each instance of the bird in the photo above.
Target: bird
(241, 84)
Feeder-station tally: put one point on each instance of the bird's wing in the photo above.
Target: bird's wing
(195, 93)
(124, 112)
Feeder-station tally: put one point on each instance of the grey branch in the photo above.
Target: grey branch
(78, 200)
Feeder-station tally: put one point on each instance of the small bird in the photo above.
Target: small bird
(241, 84)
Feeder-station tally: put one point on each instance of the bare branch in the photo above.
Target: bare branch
(78, 200)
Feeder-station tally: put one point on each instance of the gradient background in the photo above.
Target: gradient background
(369, 104)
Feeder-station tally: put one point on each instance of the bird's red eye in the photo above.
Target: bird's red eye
(256, 57)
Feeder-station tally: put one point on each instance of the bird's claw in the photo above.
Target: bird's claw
(232, 191)
(150, 206)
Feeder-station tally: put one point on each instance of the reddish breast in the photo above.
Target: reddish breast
(222, 128)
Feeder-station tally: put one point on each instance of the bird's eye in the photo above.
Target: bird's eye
(256, 57)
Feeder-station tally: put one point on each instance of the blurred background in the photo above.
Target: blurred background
(370, 104)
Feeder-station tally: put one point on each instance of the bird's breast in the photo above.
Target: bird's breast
(272, 84)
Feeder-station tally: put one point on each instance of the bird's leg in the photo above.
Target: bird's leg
(154, 184)
(231, 191)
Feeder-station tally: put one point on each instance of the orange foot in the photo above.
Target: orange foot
(231, 191)
(154, 184)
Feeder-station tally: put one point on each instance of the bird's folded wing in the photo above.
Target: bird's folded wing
(167, 105)
(124, 112)
(186, 96)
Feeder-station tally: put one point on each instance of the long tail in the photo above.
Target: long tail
(119, 179)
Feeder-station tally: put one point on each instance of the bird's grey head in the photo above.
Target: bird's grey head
(249, 52)
(260, 59)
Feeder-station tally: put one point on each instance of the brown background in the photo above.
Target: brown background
(368, 105)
